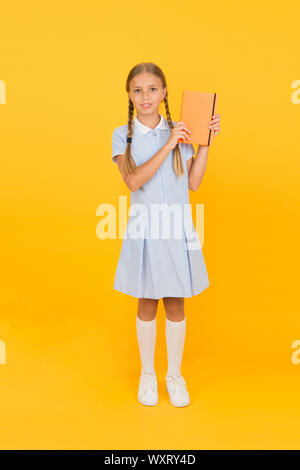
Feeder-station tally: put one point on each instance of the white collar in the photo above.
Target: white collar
(163, 125)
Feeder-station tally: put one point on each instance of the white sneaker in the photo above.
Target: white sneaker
(148, 389)
(176, 387)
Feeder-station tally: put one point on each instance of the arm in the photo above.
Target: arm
(197, 166)
(144, 172)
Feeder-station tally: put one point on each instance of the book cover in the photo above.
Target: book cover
(197, 109)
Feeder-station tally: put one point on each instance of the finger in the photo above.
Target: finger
(183, 139)
(183, 132)
(182, 125)
(184, 136)
(183, 128)
(215, 120)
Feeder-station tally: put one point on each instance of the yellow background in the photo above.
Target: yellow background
(72, 362)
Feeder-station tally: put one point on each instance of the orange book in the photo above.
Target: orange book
(197, 109)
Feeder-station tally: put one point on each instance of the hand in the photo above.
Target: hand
(214, 124)
(180, 131)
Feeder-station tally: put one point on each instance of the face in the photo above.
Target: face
(146, 93)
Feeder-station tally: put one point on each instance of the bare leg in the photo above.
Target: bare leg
(174, 307)
(147, 309)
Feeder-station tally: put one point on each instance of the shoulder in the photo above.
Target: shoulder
(121, 130)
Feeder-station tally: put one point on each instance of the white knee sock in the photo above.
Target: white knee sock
(175, 336)
(146, 335)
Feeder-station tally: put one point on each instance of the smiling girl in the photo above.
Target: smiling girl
(159, 171)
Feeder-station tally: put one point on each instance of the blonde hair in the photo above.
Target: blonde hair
(128, 162)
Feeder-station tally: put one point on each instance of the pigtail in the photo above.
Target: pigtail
(128, 163)
(177, 158)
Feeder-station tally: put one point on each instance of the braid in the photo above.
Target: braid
(177, 158)
(128, 163)
(130, 118)
(168, 113)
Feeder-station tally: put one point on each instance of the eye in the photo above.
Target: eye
(152, 88)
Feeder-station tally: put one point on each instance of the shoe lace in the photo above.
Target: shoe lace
(148, 381)
(178, 381)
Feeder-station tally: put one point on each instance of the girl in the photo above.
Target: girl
(158, 171)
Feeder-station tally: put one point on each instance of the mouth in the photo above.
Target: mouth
(146, 105)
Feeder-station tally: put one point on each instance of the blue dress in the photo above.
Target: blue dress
(155, 264)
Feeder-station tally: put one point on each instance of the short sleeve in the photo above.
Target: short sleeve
(187, 151)
(118, 144)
